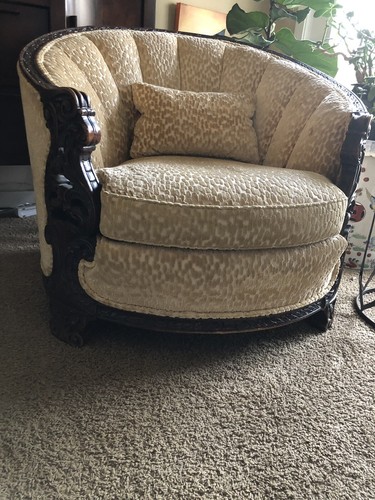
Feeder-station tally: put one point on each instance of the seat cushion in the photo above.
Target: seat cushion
(210, 283)
(206, 203)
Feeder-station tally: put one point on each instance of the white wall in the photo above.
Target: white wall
(165, 9)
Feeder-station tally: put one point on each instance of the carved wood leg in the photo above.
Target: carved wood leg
(323, 319)
(69, 324)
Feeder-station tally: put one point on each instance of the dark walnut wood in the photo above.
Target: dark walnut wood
(73, 206)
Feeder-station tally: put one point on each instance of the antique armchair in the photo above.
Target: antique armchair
(185, 183)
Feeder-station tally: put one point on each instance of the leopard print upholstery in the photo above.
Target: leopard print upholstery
(287, 98)
(321, 129)
(208, 283)
(159, 58)
(200, 64)
(219, 204)
(181, 122)
(300, 122)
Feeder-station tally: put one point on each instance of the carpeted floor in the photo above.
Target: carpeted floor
(288, 414)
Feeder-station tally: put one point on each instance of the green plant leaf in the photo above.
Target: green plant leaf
(238, 20)
(322, 8)
(313, 4)
(301, 14)
(254, 39)
(371, 94)
(278, 12)
(322, 58)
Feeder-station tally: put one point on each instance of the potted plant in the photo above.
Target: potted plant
(263, 29)
(359, 52)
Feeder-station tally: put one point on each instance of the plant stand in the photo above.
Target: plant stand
(365, 301)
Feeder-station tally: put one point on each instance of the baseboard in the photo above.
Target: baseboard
(13, 199)
(16, 186)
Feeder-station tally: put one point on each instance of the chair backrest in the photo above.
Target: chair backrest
(295, 107)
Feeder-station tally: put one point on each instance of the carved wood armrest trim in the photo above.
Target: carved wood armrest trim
(352, 152)
(72, 189)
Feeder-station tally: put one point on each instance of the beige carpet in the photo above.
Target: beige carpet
(280, 415)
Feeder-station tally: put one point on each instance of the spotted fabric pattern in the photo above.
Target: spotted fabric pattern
(193, 123)
(105, 64)
(201, 62)
(77, 62)
(219, 204)
(38, 138)
(242, 69)
(300, 122)
(322, 129)
(283, 143)
(208, 283)
(159, 58)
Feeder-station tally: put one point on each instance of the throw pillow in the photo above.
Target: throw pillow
(180, 122)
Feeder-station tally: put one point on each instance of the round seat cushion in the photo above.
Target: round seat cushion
(208, 203)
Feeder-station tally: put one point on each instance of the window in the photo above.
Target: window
(313, 29)
(364, 13)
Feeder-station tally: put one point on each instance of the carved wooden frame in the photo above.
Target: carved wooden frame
(73, 212)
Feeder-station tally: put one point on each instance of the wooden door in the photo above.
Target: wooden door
(128, 13)
(20, 23)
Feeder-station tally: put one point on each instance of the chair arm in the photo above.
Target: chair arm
(352, 152)
(71, 185)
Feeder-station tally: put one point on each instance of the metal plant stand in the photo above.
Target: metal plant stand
(365, 301)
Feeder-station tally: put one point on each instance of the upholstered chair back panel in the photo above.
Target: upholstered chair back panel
(120, 53)
(327, 127)
(77, 62)
(278, 83)
(158, 54)
(200, 64)
(288, 101)
(242, 69)
(292, 117)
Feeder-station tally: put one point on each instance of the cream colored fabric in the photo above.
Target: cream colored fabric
(210, 284)
(193, 123)
(76, 61)
(279, 81)
(201, 63)
(295, 115)
(209, 203)
(105, 63)
(295, 125)
(159, 58)
(119, 51)
(326, 128)
(242, 69)
(38, 138)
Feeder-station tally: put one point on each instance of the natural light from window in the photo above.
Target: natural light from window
(364, 17)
